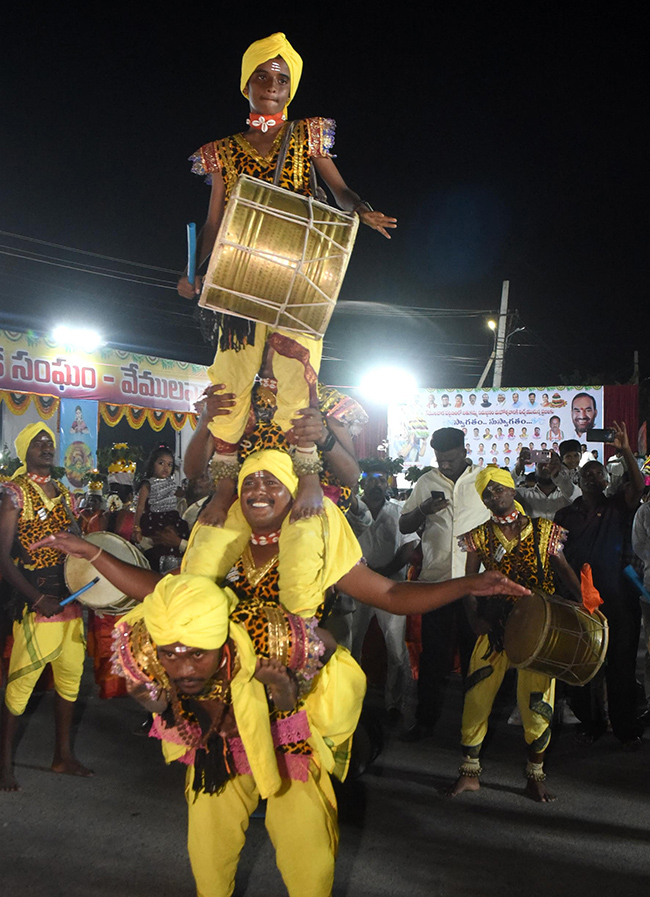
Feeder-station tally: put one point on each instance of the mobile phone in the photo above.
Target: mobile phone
(437, 496)
(540, 456)
(604, 435)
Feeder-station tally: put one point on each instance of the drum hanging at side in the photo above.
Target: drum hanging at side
(103, 597)
(556, 637)
(279, 258)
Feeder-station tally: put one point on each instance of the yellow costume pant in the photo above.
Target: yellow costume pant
(535, 695)
(301, 822)
(36, 644)
(296, 373)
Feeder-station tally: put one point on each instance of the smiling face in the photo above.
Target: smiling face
(265, 501)
(190, 669)
(583, 413)
(269, 87)
(40, 454)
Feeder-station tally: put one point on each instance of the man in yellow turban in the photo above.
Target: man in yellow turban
(288, 154)
(203, 673)
(33, 506)
(528, 552)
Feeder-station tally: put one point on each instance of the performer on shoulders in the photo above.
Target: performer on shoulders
(271, 71)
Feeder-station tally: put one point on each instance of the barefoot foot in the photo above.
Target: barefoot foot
(70, 766)
(463, 783)
(279, 681)
(309, 500)
(8, 781)
(537, 791)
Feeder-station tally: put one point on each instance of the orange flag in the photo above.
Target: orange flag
(590, 595)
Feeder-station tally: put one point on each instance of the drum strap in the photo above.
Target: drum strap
(540, 565)
(316, 190)
(284, 149)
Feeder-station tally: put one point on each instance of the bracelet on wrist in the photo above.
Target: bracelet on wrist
(330, 441)
(362, 205)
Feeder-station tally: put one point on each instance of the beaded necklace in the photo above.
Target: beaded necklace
(264, 122)
(265, 538)
(37, 478)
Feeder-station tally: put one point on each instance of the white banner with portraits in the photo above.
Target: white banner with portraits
(497, 423)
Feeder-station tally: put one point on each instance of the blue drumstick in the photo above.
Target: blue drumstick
(79, 591)
(191, 251)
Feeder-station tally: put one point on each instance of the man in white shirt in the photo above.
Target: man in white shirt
(553, 487)
(444, 504)
(374, 519)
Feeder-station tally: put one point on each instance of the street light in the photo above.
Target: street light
(387, 385)
(80, 338)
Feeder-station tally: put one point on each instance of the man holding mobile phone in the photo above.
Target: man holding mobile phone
(553, 487)
(443, 505)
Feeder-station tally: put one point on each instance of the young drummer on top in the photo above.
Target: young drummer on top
(271, 71)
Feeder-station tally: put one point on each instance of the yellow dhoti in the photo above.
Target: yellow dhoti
(296, 363)
(300, 820)
(36, 644)
(535, 696)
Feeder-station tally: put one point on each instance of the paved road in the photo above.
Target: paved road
(123, 832)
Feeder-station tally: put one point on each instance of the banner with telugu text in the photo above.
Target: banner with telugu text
(497, 423)
(38, 365)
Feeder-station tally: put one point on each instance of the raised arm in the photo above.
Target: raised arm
(333, 439)
(201, 445)
(350, 201)
(635, 485)
(420, 597)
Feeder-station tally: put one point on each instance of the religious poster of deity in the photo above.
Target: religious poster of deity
(77, 440)
(497, 423)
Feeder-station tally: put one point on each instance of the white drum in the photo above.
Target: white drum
(103, 597)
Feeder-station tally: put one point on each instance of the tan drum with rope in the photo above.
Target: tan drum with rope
(103, 597)
(279, 258)
(556, 637)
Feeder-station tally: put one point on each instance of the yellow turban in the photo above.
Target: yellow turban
(496, 474)
(276, 462)
(188, 609)
(24, 439)
(268, 48)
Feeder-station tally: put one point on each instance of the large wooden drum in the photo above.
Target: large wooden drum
(561, 639)
(103, 597)
(279, 258)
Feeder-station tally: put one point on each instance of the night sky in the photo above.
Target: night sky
(506, 138)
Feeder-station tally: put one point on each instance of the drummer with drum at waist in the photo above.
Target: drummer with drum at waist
(271, 71)
(34, 506)
(529, 552)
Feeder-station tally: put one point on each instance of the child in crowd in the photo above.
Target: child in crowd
(156, 515)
